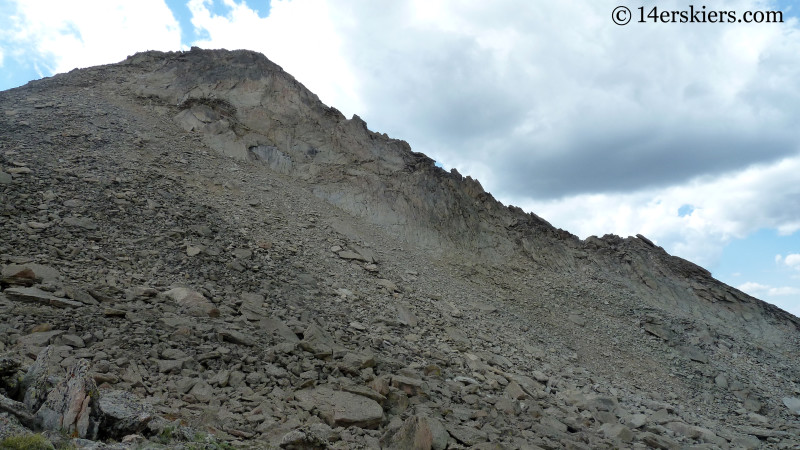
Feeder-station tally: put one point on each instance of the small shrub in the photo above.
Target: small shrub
(26, 442)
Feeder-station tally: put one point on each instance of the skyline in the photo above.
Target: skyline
(684, 133)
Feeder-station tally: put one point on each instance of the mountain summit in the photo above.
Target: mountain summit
(195, 248)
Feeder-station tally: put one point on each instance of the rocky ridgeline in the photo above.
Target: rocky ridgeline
(197, 253)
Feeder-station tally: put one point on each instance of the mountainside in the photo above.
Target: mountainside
(196, 251)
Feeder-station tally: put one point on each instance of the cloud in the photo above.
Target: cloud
(726, 207)
(792, 261)
(552, 100)
(757, 290)
(58, 36)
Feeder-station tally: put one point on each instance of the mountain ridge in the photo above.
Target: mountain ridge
(217, 130)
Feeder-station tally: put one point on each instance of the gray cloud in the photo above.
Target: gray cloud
(555, 110)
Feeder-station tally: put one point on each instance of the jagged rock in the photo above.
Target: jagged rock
(339, 408)
(317, 341)
(315, 436)
(39, 379)
(17, 409)
(419, 433)
(72, 405)
(122, 414)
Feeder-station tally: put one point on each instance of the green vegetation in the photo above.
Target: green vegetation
(26, 442)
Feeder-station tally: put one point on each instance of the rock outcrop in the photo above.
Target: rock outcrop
(194, 248)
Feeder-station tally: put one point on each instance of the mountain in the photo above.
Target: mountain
(196, 251)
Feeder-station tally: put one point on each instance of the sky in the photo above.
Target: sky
(684, 132)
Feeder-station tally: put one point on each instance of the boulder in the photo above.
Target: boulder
(192, 302)
(72, 405)
(344, 409)
(123, 414)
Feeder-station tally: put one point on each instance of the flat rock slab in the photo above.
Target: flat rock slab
(35, 295)
(192, 302)
(28, 274)
(793, 403)
(340, 408)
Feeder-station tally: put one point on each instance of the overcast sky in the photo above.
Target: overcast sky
(684, 132)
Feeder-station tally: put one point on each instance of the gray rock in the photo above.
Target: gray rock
(123, 414)
(39, 379)
(276, 327)
(236, 337)
(793, 403)
(80, 222)
(192, 302)
(347, 254)
(18, 409)
(340, 408)
(317, 341)
(466, 435)
(34, 295)
(29, 274)
(617, 431)
(39, 339)
(417, 432)
(72, 405)
(73, 341)
(169, 365)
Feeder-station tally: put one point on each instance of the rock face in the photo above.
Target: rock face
(195, 239)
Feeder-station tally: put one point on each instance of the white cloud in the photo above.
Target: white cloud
(791, 261)
(65, 35)
(726, 207)
(1, 57)
(297, 35)
(757, 290)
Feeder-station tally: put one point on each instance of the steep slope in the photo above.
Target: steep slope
(341, 271)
